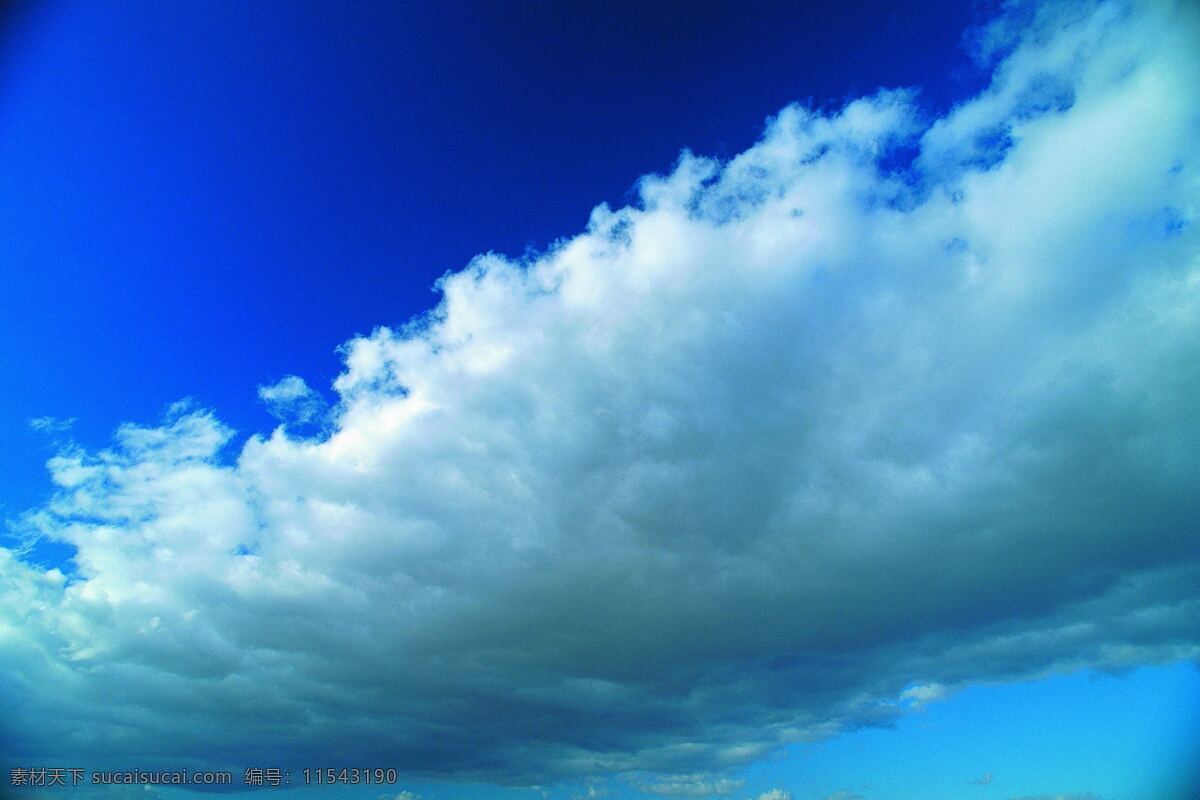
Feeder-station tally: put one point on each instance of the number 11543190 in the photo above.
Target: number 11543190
(349, 775)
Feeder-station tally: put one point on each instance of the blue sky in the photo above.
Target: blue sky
(610, 400)
(202, 198)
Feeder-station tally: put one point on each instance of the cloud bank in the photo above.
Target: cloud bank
(759, 458)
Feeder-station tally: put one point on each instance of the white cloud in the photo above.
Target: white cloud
(731, 468)
(983, 780)
(918, 696)
(776, 794)
(291, 400)
(698, 785)
(51, 424)
(592, 792)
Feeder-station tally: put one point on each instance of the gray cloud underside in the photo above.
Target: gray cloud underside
(737, 466)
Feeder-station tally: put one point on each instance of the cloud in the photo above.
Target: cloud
(291, 400)
(918, 696)
(982, 780)
(843, 794)
(51, 425)
(776, 794)
(736, 466)
(697, 785)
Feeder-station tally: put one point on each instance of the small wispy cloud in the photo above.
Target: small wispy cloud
(52, 425)
(844, 794)
(775, 794)
(920, 695)
(697, 785)
(291, 400)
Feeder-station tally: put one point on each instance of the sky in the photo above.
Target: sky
(763, 402)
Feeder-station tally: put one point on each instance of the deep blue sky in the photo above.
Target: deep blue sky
(199, 198)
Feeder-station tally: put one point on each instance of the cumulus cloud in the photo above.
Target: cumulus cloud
(734, 467)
